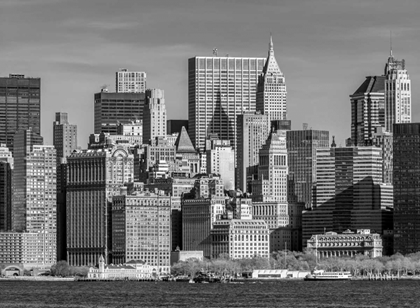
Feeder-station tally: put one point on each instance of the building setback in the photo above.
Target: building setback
(20, 106)
(141, 229)
(110, 109)
(94, 176)
(219, 89)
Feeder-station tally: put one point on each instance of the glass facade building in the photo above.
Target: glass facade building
(20, 106)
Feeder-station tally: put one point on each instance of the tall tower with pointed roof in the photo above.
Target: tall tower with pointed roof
(271, 89)
(397, 93)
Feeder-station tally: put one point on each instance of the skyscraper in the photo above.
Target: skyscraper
(20, 106)
(219, 89)
(271, 185)
(253, 130)
(301, 152)
(349, 192)
(397, 93)
(154, 115)
(6, 166)
(271, 90)
(114, 108)
(130, 82)
(367, 110)
(221, 160)
(406, 187)
(94, 176)
(65, 142)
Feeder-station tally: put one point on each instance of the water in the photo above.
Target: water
(167, 294)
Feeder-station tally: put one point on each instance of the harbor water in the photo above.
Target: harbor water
(402, 293)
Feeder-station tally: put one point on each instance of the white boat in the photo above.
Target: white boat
(324, 275)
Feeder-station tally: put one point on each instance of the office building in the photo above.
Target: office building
(110, 109)
(384, 140)
(186, 153)
(141, 229)
(221, 160)
(94, 176)
(349, 192)
(253, 130)
(301, 154)
(240, 239)
(20, 106)
(130, 82)
(397, 93)
(271, 89)
(271, 184)
(154, 115)
(406, 179)
(367, 110)
(6, 167)
(219, 89)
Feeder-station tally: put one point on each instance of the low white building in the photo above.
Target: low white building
(135, 269)
(278, 274)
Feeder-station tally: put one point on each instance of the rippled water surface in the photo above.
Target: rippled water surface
(167, 294)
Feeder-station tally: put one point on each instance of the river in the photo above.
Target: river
(403, 293)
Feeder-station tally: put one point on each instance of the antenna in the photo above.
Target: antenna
(390, 43)
(215, 52)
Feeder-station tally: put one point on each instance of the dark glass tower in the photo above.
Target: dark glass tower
(406, 177)
(20, 106)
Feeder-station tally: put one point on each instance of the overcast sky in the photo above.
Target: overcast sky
(325, 48)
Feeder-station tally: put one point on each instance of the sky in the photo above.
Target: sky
(325, 48)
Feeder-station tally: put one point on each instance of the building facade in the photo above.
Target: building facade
(367, 110)
(240, 239)
(397, 93)
(154, 115)
(129, 81)
(219, 89)
(110, 109)
(221, 160)
(141, 229)
(94, 176)
(253, 130)
(406, 179)
(346, 244)
(20, 106)
(6, 167)
(271, 89)
(301, 154)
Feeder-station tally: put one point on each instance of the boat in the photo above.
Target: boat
(204, 277)
(324, 275)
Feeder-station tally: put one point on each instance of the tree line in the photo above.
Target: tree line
(358, 265)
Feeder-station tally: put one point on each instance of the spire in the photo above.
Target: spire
(390, 43)
(333, 145)
(183, 143)
(271, 66)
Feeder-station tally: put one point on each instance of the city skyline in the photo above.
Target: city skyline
(325, 54)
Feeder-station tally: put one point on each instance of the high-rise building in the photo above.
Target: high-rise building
(114, 108)
(6, 167)
(20, 106)
(175, 126)
(221, 160)
(406, 182)
(219, 89)
(34, 197)
(154, 115)
(301, 153)
(24, 142)
(141, 229)
(65, 142)
(367, 110)
(130, 82)
(349, 192)
(271, 184)
(64, 136)
(397, 93)
(271, 89)
(94, 177)
(186, 153)
(253, 130)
